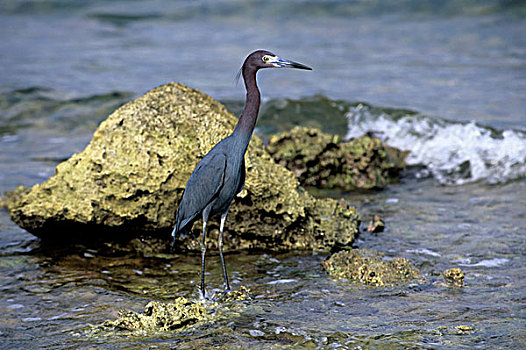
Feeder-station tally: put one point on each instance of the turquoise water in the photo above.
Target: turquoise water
(446, 81)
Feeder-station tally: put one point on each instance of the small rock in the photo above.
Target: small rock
(462, 329)
(454, 276)
(369, 267)
(236, 295)
(376, 225)
(160, 316)
(256, 333)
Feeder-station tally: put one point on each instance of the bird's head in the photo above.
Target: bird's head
(265, 59)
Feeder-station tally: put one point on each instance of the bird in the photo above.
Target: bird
(220, 174)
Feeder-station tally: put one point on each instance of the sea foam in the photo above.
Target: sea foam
(453, 152)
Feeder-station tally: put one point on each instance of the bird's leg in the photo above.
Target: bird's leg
(203, 252)
(220, 245)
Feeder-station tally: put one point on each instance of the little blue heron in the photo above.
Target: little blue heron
(220, 175)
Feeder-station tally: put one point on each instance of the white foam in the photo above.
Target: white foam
(454, 152)
(423, 251)
(489, 262)
(256, 333)
(282, 281)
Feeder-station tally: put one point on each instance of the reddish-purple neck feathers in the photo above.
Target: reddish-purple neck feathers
(248, 118)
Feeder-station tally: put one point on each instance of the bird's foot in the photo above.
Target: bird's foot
(202, 295)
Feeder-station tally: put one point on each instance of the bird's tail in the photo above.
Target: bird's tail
(179, 233)
(175, 235)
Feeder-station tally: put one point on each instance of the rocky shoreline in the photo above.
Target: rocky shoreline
(127, 182)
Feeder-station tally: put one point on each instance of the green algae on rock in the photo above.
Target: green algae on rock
(369, 267)
(325, 161)
(161, 317)
(128, 181)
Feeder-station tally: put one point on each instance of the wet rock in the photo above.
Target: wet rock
(10, 198)
(377, 224)
(178, 315)
(333, 226)
(454, 276)
(463, 329)
(128, 181)
(161, 317)
(325, 161)
(236, 295)
(369, 267)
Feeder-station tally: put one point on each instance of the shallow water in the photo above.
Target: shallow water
(47, 290)
(399, 70)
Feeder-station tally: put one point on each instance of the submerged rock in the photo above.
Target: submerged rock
(178, 315)
(325, 161)
(161, 317)
(10, 198)
(369, 267)
(463, 329)
(128, 181)
(242, 294)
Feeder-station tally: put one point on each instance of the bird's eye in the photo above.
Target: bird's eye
(266, 58)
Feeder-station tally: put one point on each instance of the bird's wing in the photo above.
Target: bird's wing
(202, 187)
(242, 177)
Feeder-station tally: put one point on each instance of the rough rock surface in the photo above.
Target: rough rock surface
(325, 161)
(454, 277)
(129, 179)
(369, 267)
(178, 315)
(161, 317)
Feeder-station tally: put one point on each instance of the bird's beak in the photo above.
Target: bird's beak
(281, 63)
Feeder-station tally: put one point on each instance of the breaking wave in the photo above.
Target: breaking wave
(452, 152)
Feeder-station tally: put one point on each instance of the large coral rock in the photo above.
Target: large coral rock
(325, 161)
(129, 179)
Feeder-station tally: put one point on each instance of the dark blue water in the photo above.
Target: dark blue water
(445, 80)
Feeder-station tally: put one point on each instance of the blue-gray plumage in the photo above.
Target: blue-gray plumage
(220, 175)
